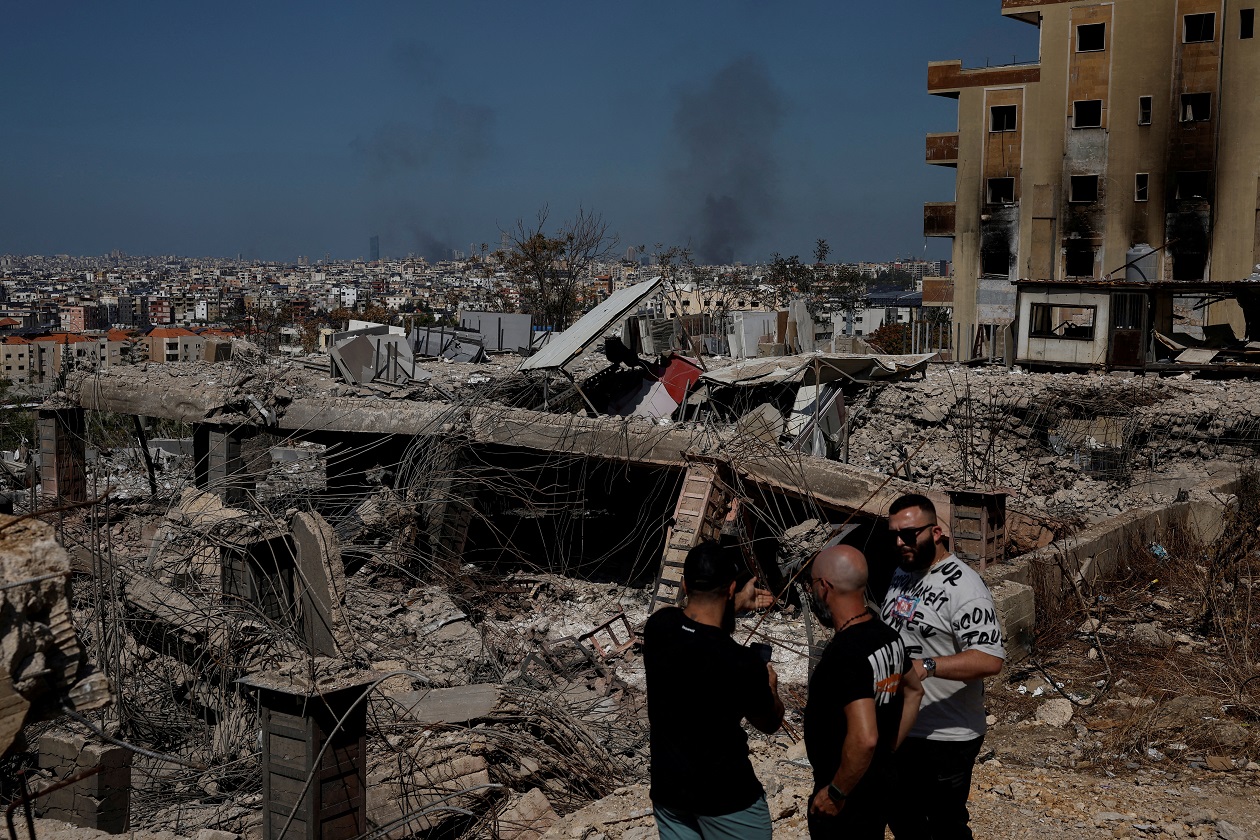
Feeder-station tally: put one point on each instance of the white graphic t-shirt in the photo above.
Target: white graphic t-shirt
(939, 612)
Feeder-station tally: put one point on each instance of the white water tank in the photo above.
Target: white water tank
(1143, 264)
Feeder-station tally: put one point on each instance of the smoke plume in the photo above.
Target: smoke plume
(459, 136)
(728, 174)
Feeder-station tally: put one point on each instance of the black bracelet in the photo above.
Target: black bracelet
(837, 796)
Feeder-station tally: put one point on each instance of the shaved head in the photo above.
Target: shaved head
(843, 566)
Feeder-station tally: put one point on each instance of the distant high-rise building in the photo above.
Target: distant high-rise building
(375, 249)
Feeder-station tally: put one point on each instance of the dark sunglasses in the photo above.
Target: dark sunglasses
(909, 536)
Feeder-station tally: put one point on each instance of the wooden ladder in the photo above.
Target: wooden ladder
(697, 516)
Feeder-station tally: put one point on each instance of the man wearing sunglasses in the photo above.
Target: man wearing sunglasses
(945, 615)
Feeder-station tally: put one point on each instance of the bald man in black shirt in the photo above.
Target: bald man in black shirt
(863, 699)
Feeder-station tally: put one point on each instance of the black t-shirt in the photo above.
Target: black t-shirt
(865, 660)
(700, 685)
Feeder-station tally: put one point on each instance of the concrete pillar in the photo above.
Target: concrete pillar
(217, 462)
(298, 721)
(63, 454)
(103, 801)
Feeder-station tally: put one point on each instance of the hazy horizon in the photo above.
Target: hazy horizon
(270, 132)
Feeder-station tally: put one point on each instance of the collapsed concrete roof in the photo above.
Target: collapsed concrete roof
(828, 367)
(571, 343)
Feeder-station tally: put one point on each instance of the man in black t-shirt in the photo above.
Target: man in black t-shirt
(863, 698)
(701, 685)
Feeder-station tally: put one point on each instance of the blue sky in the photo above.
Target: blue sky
(279, 129)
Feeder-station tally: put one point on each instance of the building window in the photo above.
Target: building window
(1196, 107)
(1200, 28)
(1246, 23)
(1087, 113)
(1084, 189)
(1145, 108)
(1194, 185)
(1091, 37)
(1002, 118)
(1056, 321)
(1001, 190)
(1142, 187)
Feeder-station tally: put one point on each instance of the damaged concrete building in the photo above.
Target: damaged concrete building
(400, 597)
(1086, 167)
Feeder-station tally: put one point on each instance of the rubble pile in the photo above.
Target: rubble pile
(504, 699)
(43, 665)
(1071, 446)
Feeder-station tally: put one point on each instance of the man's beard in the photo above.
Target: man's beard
(820, 610)
(924, 554)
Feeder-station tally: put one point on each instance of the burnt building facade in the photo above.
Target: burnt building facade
(1134, 140)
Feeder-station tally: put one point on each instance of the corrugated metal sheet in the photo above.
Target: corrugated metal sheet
(831, 366)
(569, 344)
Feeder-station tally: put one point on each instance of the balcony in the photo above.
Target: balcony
(938, 291)
(942, 149)
(938, 218)
(948, 78)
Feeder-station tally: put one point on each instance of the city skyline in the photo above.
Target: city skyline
(736, 128)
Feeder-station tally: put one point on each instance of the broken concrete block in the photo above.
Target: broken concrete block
(101, 801)
(41, 660)
(528, 818)
(321, 584)
(1055, 712)
(1150, 635)
(461, 704)
(764, 423)
(1017, 612)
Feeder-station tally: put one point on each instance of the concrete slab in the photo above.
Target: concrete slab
(321, 584)
(461, 704)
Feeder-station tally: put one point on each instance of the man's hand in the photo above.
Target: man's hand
(774, 678)
(824, 804)
(751, 598)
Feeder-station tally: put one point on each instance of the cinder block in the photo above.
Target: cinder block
(59, 748)
(62, 799)
(104, 755)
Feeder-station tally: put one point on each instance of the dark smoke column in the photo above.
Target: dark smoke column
(728, 174)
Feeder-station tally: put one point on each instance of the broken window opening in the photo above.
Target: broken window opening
(1002, 118)
(1142, 187)
(995, 252)
(1091, 37)
(1246, 24)
(1196, 107)
(1188, 247)
(995, 262)
(1059, 321)
(1001, 190)
(1084, 189)
(1200, 28)
(1145, 109)
(1078, 260)
(1194, 185)
(1087, 113)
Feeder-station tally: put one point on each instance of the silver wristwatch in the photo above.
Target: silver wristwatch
(929, 666)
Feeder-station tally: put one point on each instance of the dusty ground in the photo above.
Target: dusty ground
(1008, 801)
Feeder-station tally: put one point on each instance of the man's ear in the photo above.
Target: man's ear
(730, 593)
